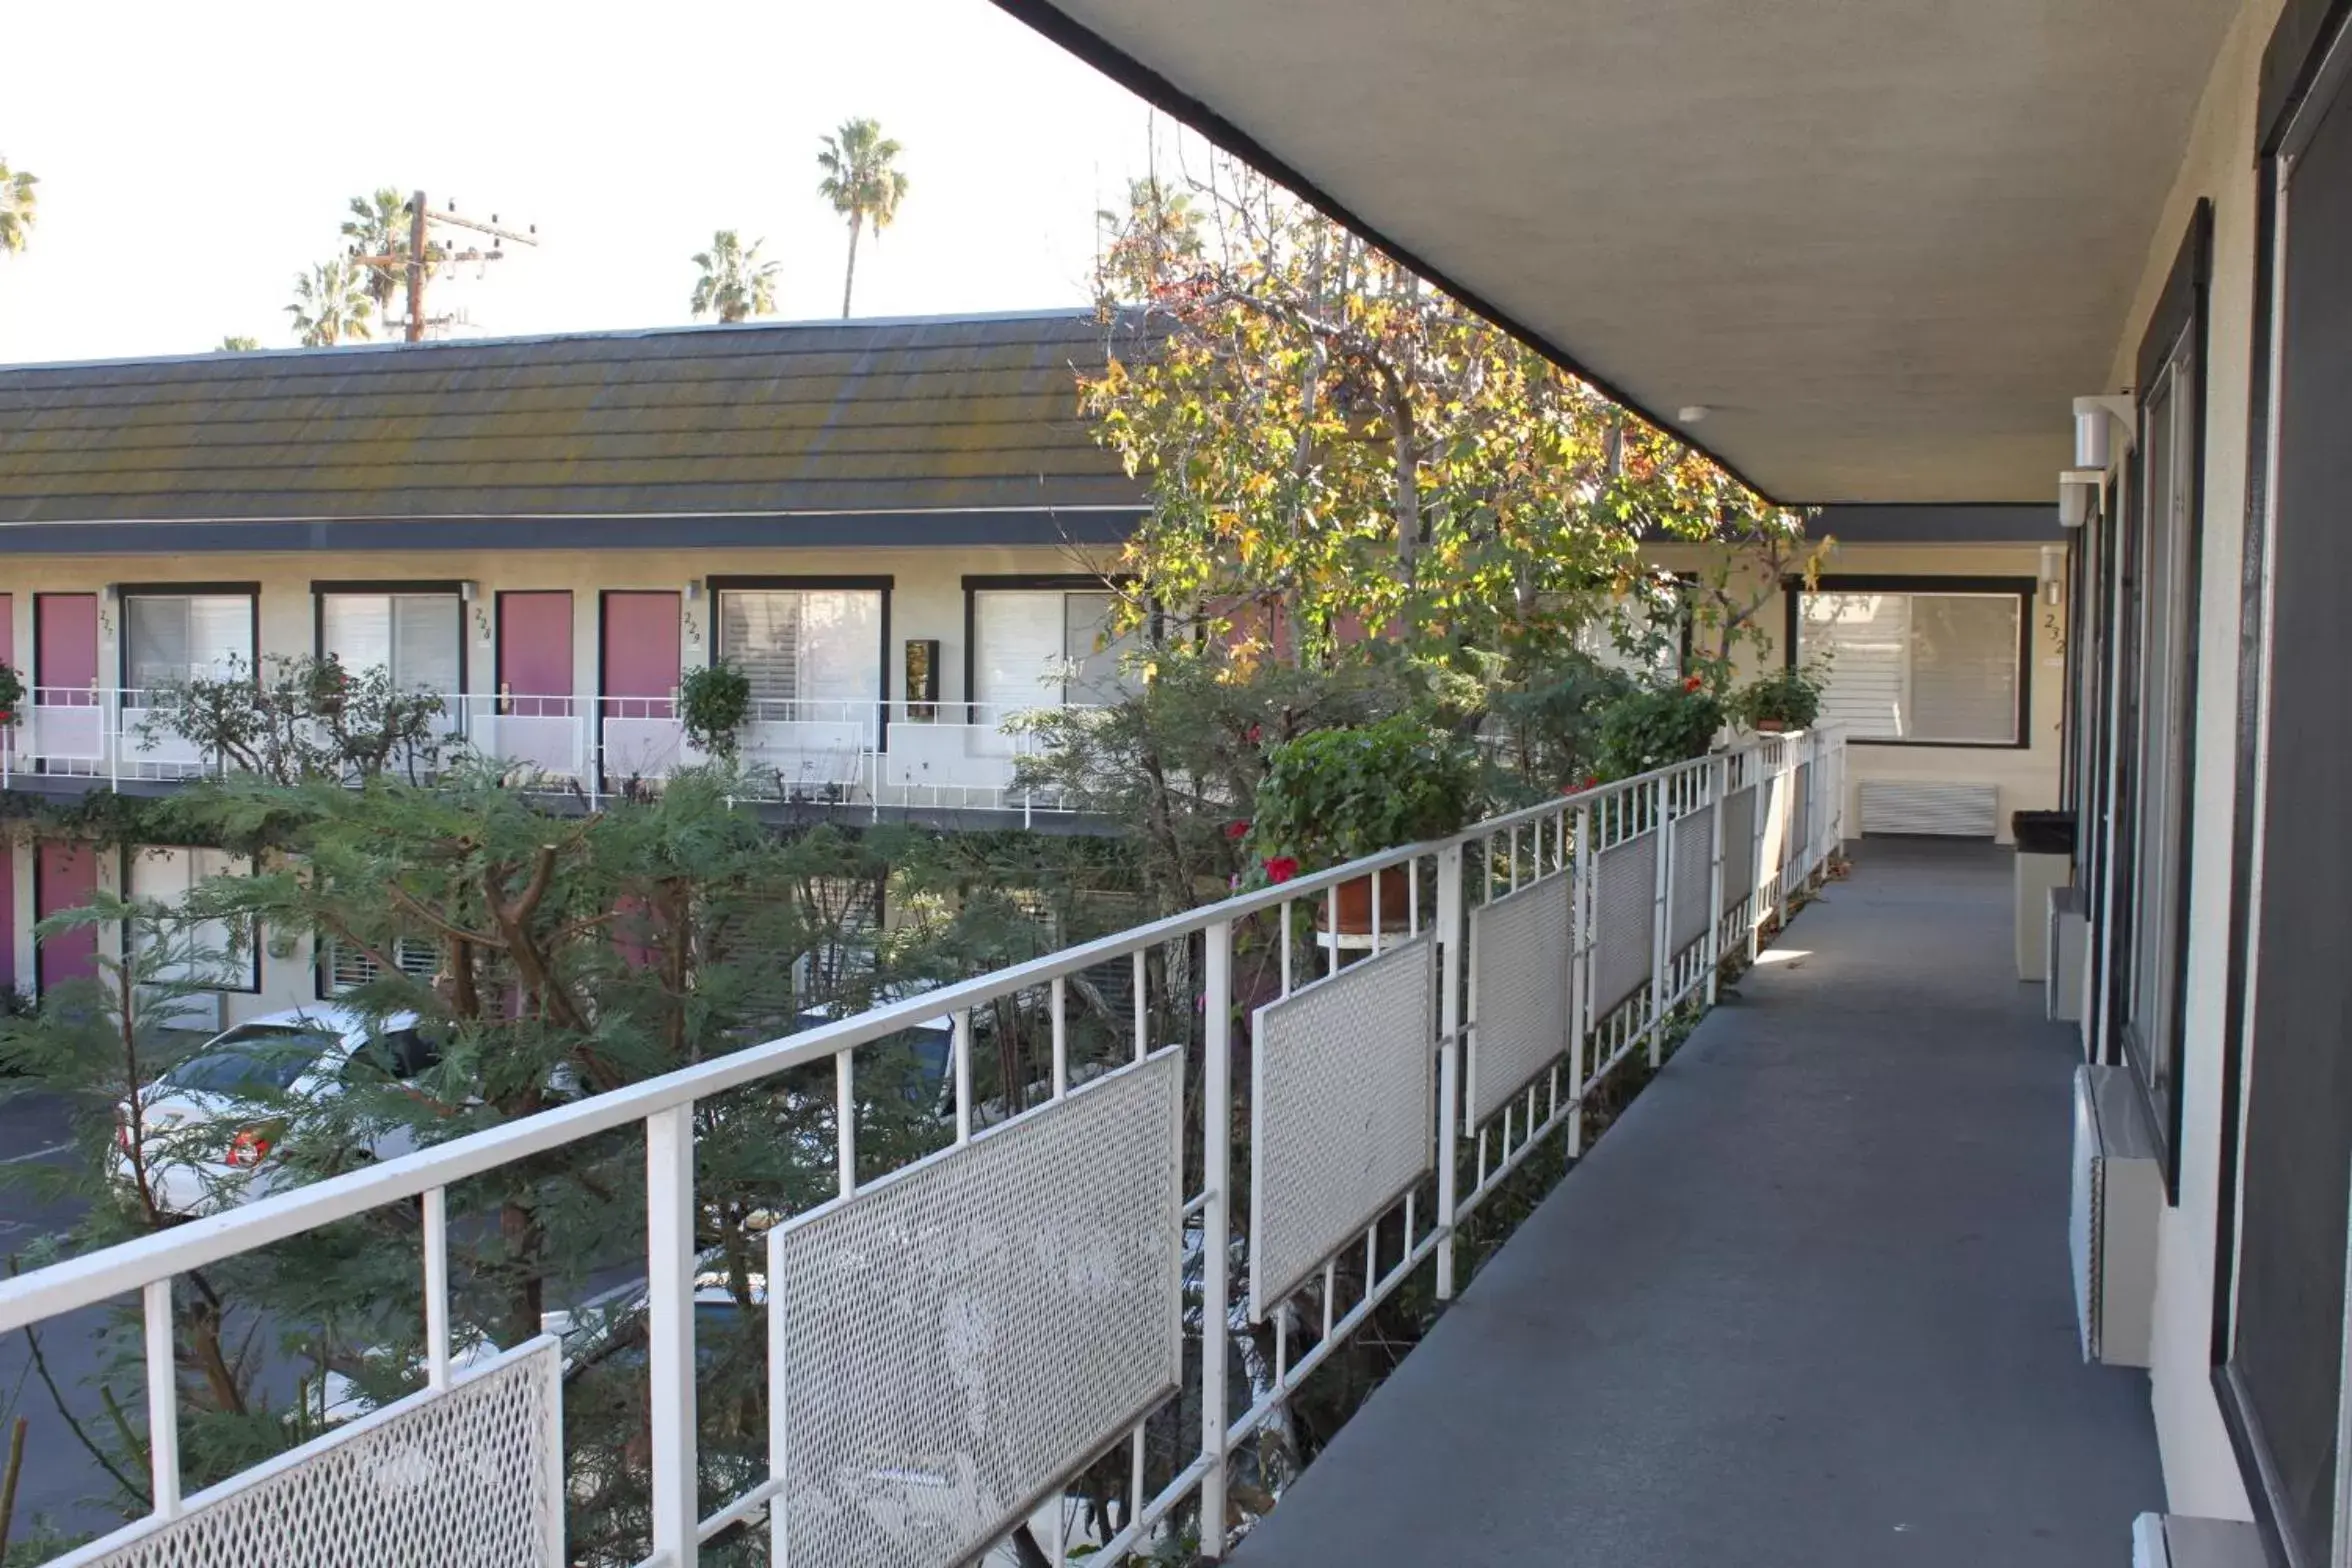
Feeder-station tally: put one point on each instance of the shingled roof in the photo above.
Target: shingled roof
(965, 415)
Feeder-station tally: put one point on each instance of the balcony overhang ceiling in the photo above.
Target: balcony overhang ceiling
(1883, 243)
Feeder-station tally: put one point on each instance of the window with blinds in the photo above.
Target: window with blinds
(179, 637)
(1920, 667)
(804, 645)
(419, 637)
(1047, 648)
(213, 953)
(347, 969)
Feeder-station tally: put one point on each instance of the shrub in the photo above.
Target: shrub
(1657, 725)
(715, 702)
(1787, 699)
(1334, 795)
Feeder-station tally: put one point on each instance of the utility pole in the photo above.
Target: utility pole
(421, 258)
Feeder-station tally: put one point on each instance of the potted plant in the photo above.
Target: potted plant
(1788, 699)
(714, 702)
(1659, 724)
(1335, 795)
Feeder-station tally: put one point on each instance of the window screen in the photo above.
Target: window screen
(1921, 667)
(178, 637)
(417, 636)
(348, 968)
(804, 645)
(209, 952)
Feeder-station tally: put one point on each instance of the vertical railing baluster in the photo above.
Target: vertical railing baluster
(1142, 1007)
(1450, 932)
(1060, 1000)
(163, 1399)
(1216, 1221)
(1661, 933)
(1584, 928)
(779, 1401)
(845, 1120)
(669, 1299)
(436, 1249)
(1719, 775)
(963, 1075)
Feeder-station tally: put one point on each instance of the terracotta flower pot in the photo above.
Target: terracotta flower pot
(1771, 726)
(1355, 903)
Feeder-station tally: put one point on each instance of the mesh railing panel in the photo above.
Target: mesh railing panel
(961, 1335)
(1342, 1089)
(1520, 948)
(469, 1478)
(1739, 846)
(1692, 876)
(1801, 823)
(1625, 884)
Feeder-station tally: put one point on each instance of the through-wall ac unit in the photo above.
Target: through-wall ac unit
(2178, 1541)
(2111, 1229)
(1945, 810)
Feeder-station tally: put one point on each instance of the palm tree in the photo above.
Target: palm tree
(330, 304)
(238, 343)
(18, 207)
(861, 184)
(735, 283)
(379, 226)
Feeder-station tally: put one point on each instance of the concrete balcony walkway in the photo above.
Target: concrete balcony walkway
(1806, 1306)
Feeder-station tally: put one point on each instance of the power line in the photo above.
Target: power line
(422, 256)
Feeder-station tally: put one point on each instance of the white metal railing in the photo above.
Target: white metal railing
(1496, 981)
(826, 751)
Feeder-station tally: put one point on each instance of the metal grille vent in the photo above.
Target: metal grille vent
(1949, 810)
(1519, 995)
(1692, 876)
(1341, 1095)
(1626, 882)
(472, 1477)
(1739, 847)
(963, 1334)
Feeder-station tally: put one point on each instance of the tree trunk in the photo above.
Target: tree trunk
(849, 277)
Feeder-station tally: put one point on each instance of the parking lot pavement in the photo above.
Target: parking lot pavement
(62, 1486)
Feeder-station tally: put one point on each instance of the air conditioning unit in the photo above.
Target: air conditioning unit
(2111, 1228)
(2177, 1541)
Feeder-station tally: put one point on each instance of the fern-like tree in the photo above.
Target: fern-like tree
(863, 184)
(735, 284)
(238, 343)
(331, 303)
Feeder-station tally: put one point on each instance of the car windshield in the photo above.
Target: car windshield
(254, 1058)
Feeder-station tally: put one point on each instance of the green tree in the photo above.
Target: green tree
(735, 284)
(238, 343)
(862, 184)
(379, 226)
(330, 304)
(19, 207)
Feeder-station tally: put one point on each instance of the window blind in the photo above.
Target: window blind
(181, 637)
(1019, 660)
(413, 635)
(208, 952)
(1915, 666)
(804, 645)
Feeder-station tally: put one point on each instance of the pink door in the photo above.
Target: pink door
(7, 918)
(10, 720)
(65, 651)
(65, 876)
(535, 654)
(642, 659)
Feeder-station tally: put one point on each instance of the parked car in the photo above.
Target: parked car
(214, 1126)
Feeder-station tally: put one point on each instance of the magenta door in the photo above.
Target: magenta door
(641, 655)
(65, 876)
(65, 648)
(535, 654)
(7, 918)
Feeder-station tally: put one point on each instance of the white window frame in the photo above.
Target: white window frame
(1048, 692)
(391, 592)
(129, 599)
(874, 682)
(180, 868)
(2020, 591)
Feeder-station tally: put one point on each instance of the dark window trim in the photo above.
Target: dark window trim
(124, 592)
(253, 969)
(883, 585)
(453, 586)
(2291, 60)
(2025, 588)
(977, 583)
(2181, 312)
(498, 645)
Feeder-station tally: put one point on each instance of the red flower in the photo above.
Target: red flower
(1237, 830)
(1692, 683)
(1592, 781)
(1256, 734)
(1281, 868)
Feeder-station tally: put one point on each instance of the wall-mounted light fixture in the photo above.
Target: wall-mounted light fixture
(2097, 421)
(693, 590)
(2053, 574)
(467, 588)
(2080, 491)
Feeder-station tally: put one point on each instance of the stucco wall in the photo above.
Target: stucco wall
(2200, 1469)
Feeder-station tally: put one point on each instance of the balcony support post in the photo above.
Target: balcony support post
(1216, 1223)
(1450, 942)
(669, 1294)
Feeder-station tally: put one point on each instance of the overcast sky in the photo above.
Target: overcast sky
(195, 157)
